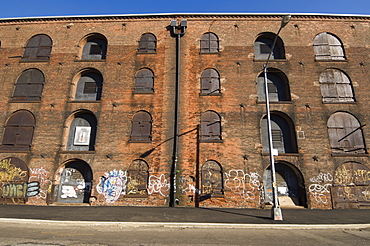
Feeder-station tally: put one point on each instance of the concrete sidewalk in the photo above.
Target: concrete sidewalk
(185, 215)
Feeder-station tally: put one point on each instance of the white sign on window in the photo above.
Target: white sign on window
(82, 135)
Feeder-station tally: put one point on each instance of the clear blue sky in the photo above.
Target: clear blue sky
(30, 8)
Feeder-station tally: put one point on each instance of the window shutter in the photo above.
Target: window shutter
(38, 48)
(147, 43)
(144, 81)
(210, 126)
(141, 127)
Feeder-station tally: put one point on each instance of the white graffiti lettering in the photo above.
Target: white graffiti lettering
(244, 184)
(41, 176)
(319, 187)
(158, 185)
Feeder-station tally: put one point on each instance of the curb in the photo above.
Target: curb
(186, 225)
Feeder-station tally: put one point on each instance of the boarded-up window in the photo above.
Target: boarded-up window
(210, 127)
(345, 134)
(263, 45)
(18, 132)
(212, 180)
(95, 48)
(137, 179)
(209, 43)
(141, 130)
(328, 47)
(277, 84)
(335, 86)
(144, 81)
(29, 86)
(283, 135)
(38, 48)
(148, 43)
(82, 133)
(210, 82)
(89, 86)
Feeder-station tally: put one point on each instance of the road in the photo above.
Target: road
(28, 233)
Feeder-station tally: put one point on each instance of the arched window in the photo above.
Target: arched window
(283, 134)
(328, 47)
(210, 127)
(263, 45)
(141, 130)
(212, 180)
(345, 134)
(82, 132)
(18, 132)
(89, 86)
(94, 47)
(144, 81)
(137, 179)
(210, 82)
(336, 86)
(277, 84)
(147, 43)
(209, 43)
(38, 48)
(29, 86)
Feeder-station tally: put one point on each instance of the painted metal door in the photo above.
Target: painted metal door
(72, 187)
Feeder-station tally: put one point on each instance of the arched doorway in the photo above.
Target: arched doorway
(75, 183)
(290, 185)
(351, 186)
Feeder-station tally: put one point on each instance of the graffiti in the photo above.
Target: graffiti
(41, 175)
(186, 185)
(319, 187)
(112, 185)
(322, 177)
(318, 191)
(158, 185)
(244, 184)
(366, 194)
(22, 190)
(9, 172)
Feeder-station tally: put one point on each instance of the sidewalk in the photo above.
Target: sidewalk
(184, 215)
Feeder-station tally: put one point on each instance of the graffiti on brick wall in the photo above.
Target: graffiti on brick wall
(41, 176)
(158, 185)
(244, 184)
(14, 183)
(186, 184)
(112, 185)
(320, 187)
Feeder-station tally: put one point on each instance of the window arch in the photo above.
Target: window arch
(283, 134)
(210, 127)
(38, 48)
(335, 86)
(144, 81)
(147, 43)
(277, 84)
(210, 82)
(209, 43)
(263, 45)
(18, 132)
(94, 47)
(328, 47)
(82, 132)
(141, 130)
(345, 134)
(29, 86)
(212, 179)
(89, 85)
(137, 179)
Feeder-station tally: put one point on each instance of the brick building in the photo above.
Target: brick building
(89, 110)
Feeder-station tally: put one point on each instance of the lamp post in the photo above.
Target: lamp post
(178, 31)
(276, 210)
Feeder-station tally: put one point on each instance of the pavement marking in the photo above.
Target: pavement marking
(186, 225)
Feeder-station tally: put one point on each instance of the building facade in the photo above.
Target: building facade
(89, 110)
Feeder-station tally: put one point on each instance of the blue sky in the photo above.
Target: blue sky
(30, 8)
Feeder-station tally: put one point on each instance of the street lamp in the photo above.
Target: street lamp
(276, 210)
(178, 31)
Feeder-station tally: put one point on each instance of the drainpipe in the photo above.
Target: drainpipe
(178, 31)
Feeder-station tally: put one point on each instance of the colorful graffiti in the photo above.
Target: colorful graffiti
(41, 176)
(158, 185)
(244, 184)
(112, 185)
(320, 187)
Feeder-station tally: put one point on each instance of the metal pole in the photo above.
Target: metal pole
(276, 213)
